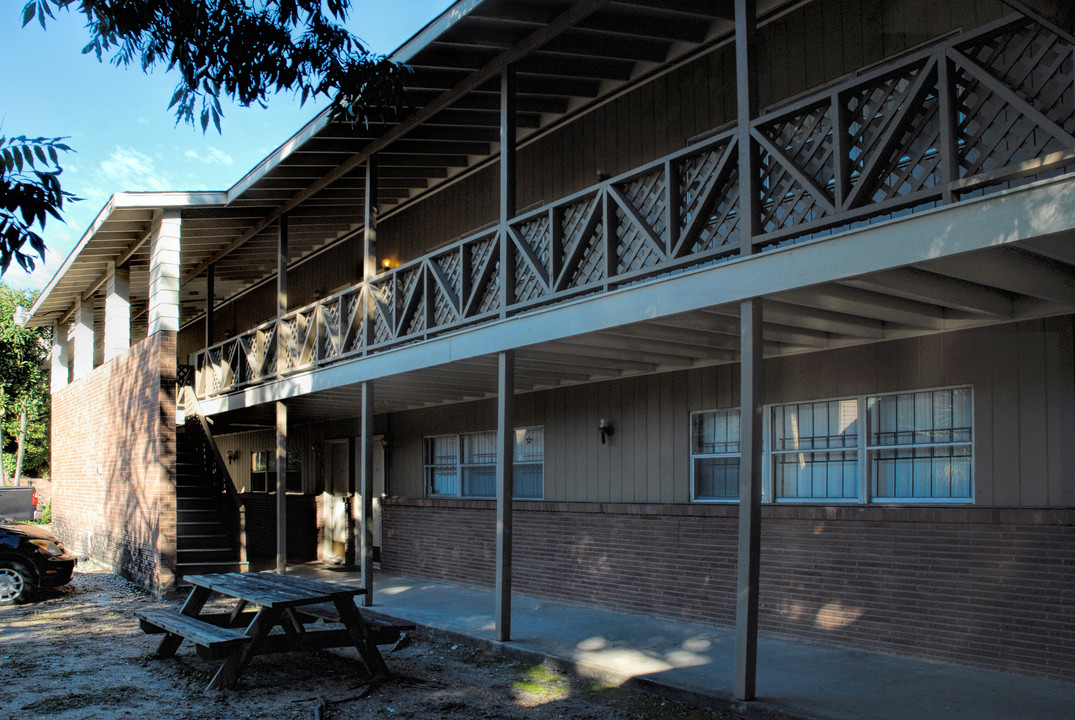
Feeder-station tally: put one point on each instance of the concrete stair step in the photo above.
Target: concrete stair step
(197, 542)
(186, 528)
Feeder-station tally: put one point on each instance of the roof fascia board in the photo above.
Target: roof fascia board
(434, 29)
(527, 45)
(120, 201)
(402, 55)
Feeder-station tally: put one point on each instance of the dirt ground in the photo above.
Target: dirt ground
(77, 652)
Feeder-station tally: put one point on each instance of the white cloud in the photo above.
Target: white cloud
(211, 156)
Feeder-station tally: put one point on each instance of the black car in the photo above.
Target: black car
(31, 558)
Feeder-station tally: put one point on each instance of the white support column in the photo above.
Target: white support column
(365, 511)
(82, 335)
(164, 274)
(117, 312)
(281, 487)
(505, 490)
(60, 358)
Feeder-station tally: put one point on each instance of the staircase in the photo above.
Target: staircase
(202, 541)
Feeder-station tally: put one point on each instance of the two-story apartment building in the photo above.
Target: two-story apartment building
(770, 306)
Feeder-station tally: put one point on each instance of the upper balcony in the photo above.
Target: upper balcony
(897, 182)
(961, 118)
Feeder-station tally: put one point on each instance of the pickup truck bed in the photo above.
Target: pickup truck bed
(18, 503)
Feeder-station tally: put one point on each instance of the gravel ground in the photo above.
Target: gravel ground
(77, 652)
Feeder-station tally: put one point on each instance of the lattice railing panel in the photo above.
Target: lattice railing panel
(1035, 64)
(384, 297)
(721, 226)
(533, 257)
(484, 282)
(642, 230)
(966, 115)
(355, 312)
(331, 328)
(446, 287)
(872, 111)
(805, 141)
(912, 163)
(583, 260)
(708, 202)
(410, 300)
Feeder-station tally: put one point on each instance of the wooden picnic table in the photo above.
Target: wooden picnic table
(282, 601)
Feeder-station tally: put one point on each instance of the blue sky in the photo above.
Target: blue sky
(118, 121)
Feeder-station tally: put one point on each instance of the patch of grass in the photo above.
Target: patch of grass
(541, 681)
(54, 704)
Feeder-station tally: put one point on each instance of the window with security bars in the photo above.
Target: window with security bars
(263, 471)
(465, 465)
(814, 450)
(715, 455)
(920, 445)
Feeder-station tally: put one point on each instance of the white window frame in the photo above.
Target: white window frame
(461, 464)
(703, 455)
(871, 449)
(863, 449)
(770, 455)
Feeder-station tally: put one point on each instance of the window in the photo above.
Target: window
(465, 465)
(263, 471)
(814, 450)
(920, 445)
(896, 447)
(715, 455)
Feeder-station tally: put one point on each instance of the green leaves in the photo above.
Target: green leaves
(30, 193)
(247, 50)
(23, 382)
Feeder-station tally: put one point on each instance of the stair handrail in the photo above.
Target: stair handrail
(234, 511)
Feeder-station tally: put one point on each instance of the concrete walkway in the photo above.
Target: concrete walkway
(694, 662)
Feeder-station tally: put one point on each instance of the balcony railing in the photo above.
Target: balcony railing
(969, 115)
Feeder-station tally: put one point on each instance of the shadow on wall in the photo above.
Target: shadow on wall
(134, 528)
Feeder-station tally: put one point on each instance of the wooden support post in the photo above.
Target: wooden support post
(751, 385)
(750, 367)
(283, 339)
(946, 108)
(505, 490)
(508, 197)
(281, 487)
(746, 82)
(369, 248)
(365, 512)
(210, 296)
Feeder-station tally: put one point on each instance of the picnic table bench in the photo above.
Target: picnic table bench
(283, 601)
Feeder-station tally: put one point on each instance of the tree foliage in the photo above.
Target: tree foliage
(244, 49)
(30, 192)
(247, 50)
(23, 384)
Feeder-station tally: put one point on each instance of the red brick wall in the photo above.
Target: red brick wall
(992, 588)
(113, 463)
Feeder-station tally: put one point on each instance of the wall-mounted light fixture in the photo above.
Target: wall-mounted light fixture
(232, 456)
(388, 264)
(605, 428)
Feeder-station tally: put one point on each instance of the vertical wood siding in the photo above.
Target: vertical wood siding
(1024, 415)
(811, 46)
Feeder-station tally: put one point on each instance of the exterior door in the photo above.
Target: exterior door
(335, 498)
(378, 490)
